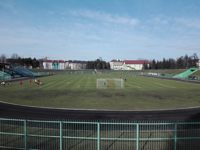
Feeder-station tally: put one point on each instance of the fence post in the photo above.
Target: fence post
(175, 135)
(137, 136)
(25, 135)
(98, 136)
(61, 136)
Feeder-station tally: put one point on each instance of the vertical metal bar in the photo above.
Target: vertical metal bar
(175, 135)
(61, 136)
(98, 136)
(25, 135)
(137, 136)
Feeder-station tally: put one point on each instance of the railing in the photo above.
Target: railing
(106, 135)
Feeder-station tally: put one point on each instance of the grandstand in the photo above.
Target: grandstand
(8, 72)
(23, 72)
(186, 74)
(4, 76)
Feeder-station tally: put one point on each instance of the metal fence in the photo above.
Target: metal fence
(106, 135)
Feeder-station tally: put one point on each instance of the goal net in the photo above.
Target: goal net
(110, 83)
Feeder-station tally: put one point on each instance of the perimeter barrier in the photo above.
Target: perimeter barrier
(107, 135)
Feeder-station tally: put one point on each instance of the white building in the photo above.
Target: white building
(198, 64)
(135, 64)
(47, 64)
(61, 64)
(77, 65)
(128, 64)
(116, 65)
(54, 64)
(66, 65)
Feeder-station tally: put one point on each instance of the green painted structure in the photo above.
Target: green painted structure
(100, 135)
(4, 76)
(186, 73)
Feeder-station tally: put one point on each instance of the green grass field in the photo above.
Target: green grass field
(79, 91)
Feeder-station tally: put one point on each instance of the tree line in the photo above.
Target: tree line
(171, 63)
(182, 62)
(98, 64)
(15, 59)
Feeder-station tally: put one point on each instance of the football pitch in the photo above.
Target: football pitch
(77, 90)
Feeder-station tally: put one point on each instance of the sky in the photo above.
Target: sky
(90, 29)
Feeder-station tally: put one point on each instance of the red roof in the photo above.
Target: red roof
(135, 61)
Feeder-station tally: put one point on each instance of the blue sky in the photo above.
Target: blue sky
(89, 29)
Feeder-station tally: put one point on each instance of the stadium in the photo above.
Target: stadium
(99, 109)
(99, 75)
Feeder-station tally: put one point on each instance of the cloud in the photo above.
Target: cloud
(161, 20)
(106, 17)
(185, 22)
(190, 47)
(8, 5)
(189, 22)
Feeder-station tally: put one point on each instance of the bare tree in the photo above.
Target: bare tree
(15, 56)
(3, 58)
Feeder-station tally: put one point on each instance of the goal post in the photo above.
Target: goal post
(110, 83)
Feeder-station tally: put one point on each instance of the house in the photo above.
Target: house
(128, 64)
